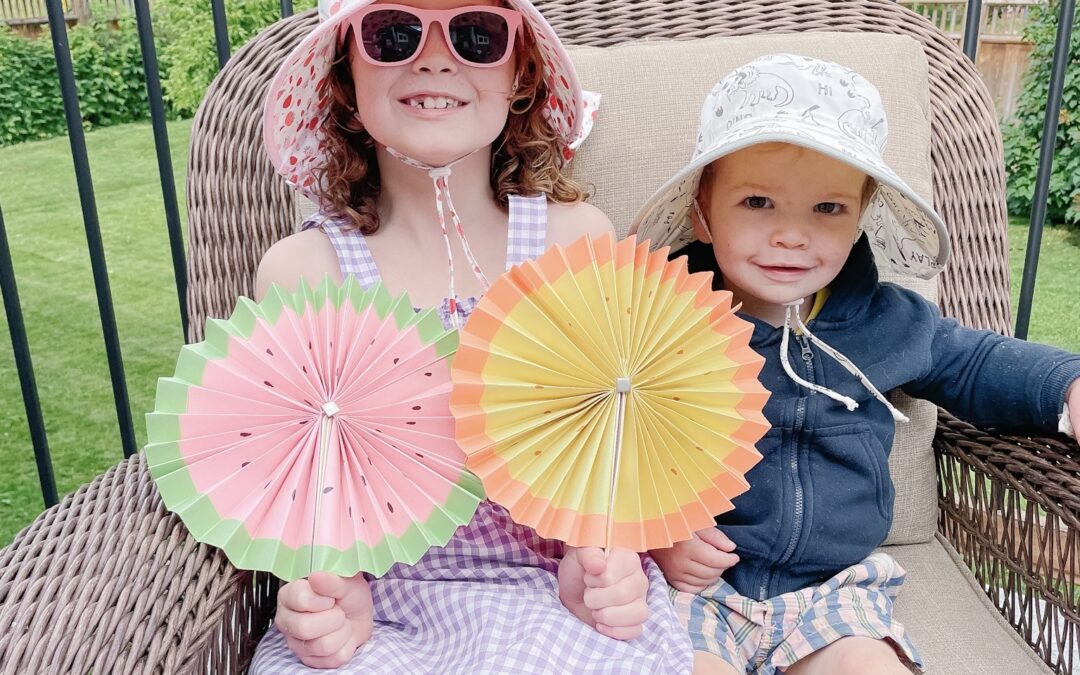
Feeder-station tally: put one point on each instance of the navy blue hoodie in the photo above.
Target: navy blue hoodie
(821, 499)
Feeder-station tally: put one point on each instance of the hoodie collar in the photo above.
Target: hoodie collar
(850, 294)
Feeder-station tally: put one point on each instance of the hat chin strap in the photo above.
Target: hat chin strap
(440, 178)
(791, 316)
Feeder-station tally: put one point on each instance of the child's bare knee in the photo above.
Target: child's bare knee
(852, 656)
(711, 664)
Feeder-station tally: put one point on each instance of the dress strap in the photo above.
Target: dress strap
(353, 254)
(527, 236)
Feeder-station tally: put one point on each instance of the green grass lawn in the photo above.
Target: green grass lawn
(1055, 310)
(40, 202)
(44, 223)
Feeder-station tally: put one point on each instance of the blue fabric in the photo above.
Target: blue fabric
(821, 499)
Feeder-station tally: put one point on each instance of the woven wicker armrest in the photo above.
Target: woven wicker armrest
(109, 582)
(1010, 504)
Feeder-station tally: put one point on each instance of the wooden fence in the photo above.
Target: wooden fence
(1001, 19)
(1003, 54)
(29, 15)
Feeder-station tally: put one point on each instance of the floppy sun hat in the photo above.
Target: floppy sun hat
(818, 105)
(297, 103)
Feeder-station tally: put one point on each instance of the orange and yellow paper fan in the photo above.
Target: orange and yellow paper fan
(607, 397)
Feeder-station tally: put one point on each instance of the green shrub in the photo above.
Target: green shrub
(108, 76)
(108, 66)
(1024, 133)
(186, 30)
(109, 73)
(30, 105)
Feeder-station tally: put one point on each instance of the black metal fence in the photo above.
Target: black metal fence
(57, 19)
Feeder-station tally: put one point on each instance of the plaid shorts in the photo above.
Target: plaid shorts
(762, 636)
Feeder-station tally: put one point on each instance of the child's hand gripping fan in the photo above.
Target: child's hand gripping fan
(311, 432)
(607, 397)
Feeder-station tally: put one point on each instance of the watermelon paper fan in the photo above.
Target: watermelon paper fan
(607, 397)
(312, 431)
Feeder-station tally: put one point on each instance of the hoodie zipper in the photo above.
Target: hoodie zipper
(800, 420)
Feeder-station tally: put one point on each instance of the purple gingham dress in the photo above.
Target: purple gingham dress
(488, 601)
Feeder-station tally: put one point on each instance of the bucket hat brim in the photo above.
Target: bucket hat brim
(904, 230)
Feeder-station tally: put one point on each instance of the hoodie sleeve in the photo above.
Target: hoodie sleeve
(994, 380)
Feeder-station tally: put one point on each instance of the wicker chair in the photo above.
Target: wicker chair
(108, 582)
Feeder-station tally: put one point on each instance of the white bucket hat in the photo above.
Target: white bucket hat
(815, 104)
(294, 109)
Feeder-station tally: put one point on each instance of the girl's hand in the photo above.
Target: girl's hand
(694, 565)
(325, 618)
(605, 591)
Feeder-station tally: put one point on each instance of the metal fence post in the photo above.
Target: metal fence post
(58, 29)
(972, 24)
(164, 155)
(1047, 146)
(25, 366)
(221, 32)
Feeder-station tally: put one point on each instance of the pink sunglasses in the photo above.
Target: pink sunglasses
(393, 35)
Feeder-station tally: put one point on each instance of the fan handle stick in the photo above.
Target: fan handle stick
(622, 390)
(326, 424)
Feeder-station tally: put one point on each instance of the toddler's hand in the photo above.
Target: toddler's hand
(606, 592)
(1072, 401)
(694, 565)
(325, 618)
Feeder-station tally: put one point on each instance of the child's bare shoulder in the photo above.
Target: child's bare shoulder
(569, 222)
(308, 255)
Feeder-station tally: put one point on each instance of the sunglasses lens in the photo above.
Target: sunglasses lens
(391, 35)
(479, 37)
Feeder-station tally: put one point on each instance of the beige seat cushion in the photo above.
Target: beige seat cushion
(963, 634)
(652, 95)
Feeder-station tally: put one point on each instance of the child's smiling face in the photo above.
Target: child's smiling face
(782, 220)
(477, 98)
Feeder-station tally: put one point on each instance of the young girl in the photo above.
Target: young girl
(789, 198)
(378, 116)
